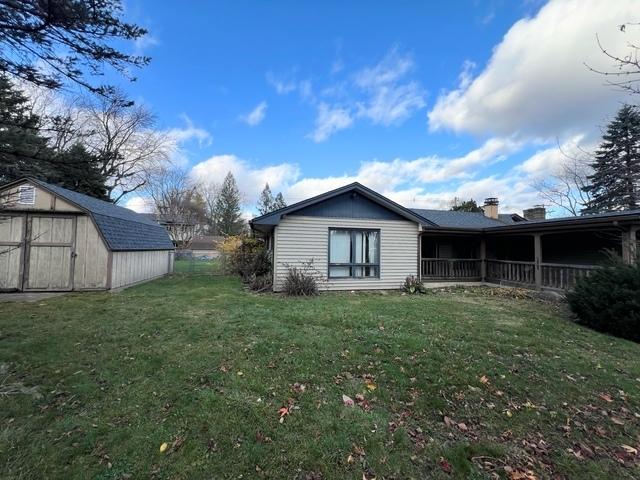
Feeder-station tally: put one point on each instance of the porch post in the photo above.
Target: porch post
(483, 259)
(629, 245)
(419, 255)
(537, 249)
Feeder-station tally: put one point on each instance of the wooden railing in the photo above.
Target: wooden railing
(563, 277)
(553, 275)
(511, 272)
(450, 268)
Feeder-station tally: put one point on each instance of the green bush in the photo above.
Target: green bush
(247, 257)
(608, 300)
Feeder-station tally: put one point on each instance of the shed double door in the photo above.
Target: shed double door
(38, 252)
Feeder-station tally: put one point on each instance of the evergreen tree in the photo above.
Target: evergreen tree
(227, 209)
(79, 170)
(23, 151)
(265, 202)
(467, 206)
(615, 182)
(279, 202)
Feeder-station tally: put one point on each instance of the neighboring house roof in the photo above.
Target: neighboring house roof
(457, 219)
(269, 220)
(205, 242)
(168, 219)
(121, 228)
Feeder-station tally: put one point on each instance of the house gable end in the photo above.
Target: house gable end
(348, 205)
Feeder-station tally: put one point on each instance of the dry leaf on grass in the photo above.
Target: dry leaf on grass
(347, 401)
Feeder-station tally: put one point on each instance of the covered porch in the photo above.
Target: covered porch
(546, 258)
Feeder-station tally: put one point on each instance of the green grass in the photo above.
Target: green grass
(198, 359)
(198, 266)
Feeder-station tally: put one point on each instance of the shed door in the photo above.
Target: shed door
(49, 255)
(11, 250)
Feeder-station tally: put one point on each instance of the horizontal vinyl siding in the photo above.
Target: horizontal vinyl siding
(299, 239)
(135, 267)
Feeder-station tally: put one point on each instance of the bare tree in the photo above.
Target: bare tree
(209, 192)
(566, 187)
(124, 137)
(178, 205)
(625, 70)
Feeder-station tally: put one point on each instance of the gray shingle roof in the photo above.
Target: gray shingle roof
(122, 229)
(451, 219)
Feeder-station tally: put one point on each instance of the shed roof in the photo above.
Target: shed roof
(121, 228)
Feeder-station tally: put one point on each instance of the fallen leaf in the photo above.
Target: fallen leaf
(298, 387)
(348, 401)
(617, 421)
(444, 465)
(606, 397)
(463, 427)
(629, 449)
(371, 386)
(484, 379)
(164, 447)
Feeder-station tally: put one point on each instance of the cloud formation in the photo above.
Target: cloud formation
(536, 83)
(255, 116)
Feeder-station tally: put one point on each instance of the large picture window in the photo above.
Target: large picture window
(354, 253)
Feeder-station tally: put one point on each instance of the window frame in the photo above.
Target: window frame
(351, 265)
(24, 188)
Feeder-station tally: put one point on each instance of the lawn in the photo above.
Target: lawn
(446, 385)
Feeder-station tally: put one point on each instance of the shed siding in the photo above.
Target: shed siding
(11, 237)
(299, 239)
(91, 263)
(135, 267)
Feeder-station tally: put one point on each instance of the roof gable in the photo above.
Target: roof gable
(324, 205)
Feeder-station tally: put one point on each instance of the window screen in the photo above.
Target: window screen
(26, 195)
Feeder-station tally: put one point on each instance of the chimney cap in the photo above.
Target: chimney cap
(491, 201)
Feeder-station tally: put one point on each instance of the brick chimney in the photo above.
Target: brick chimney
(538, 212)
(490, 207)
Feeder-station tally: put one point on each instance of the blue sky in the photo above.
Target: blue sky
(423, 101)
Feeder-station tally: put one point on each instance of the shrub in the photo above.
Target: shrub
(245, 256)
(608, 300)
(413, 285)
(301, 281)
(261, 283)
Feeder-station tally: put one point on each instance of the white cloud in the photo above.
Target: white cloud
(189, 132)
(282, 86)
(140, 204)
(330, 120)
(536, 82)
(250, 179)
(255, 116)
(388, 100)
(141, 44)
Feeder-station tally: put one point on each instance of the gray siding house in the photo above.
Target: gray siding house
(358, 240)
(54, 239)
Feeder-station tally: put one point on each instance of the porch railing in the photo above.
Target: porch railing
(451, 268)
(563, 277)
(553, 275)
(511, 272)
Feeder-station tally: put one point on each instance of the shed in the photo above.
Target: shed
(55, 239)
(205, 246)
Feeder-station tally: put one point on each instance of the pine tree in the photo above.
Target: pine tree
(79, 170)
(265, 202)
(467, 206)
(227, 209)
(23, 151)
(615, 183)
(279, 202)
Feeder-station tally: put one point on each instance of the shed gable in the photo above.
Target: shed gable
(348, 205)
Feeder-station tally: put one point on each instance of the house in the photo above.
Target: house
(205, 246)
(358, 239)
(181, 227)
(54, 239)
